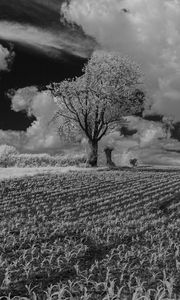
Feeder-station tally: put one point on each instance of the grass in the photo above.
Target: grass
(91, 235)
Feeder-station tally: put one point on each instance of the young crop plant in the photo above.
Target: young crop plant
(90, 235)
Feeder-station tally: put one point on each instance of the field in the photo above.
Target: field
(104, 235)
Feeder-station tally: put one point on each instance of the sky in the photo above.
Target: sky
(48, 40)
(36, 48)
(44, 50)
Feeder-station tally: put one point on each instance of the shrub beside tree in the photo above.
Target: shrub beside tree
(98, 100)
(168, 126)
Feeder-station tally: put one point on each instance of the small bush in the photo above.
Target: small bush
(7, 156)
(133, 162)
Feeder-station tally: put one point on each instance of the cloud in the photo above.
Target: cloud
(49, 41)
(23, 99)
(10, 137)
(147, 131)
(40, 136)
(148, 31)
(6, 58)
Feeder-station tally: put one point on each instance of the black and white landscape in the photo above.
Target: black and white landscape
(89, 149)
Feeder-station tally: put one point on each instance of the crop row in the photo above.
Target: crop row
(88, 199)
(87, 235)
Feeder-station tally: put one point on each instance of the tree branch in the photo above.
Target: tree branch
(72, 110)
(103, 133)
(96, 122)
(58, 113)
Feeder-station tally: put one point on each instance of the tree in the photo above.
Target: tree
(100, 98)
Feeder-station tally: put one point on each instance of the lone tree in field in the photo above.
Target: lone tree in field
(100, 98)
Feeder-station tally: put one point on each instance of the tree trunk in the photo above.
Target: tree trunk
(93, 154)
(108, 153)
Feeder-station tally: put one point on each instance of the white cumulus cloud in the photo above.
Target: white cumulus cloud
(41, 135)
